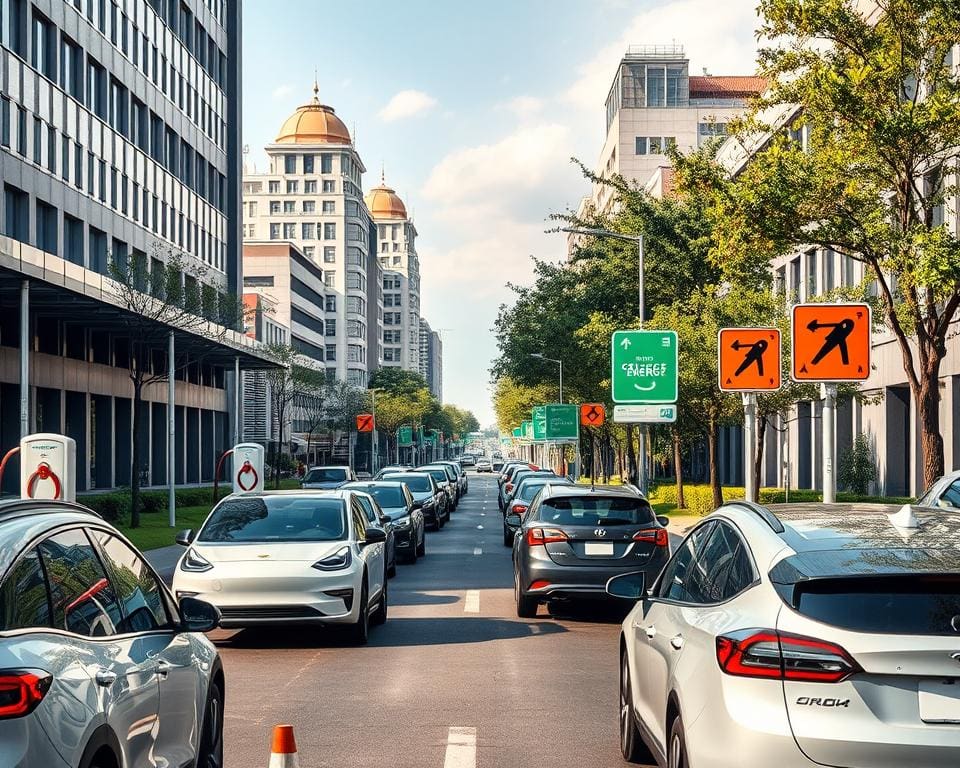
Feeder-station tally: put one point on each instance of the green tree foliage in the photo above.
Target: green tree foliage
(857, 467)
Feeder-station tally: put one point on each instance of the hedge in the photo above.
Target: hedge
(115, 507)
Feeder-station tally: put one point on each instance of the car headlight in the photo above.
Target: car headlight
(194, 562)
(340, 559)
(402, 523)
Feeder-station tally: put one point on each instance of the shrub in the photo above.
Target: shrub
(112, 507)
(857, 468)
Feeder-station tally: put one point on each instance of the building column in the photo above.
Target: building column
(25, 358)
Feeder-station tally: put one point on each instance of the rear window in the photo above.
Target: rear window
(902, 605)
(593, 510)
(415, 483)
(325, 475)
(388, 496)
(276, 519)
(438, 474)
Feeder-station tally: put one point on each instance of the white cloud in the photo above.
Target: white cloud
(282, 91)
(524, 107)
(718, 36)
(406, 104)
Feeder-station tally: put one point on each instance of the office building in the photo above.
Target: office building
(431, 359)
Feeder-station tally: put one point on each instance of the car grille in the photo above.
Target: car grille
(269, 612)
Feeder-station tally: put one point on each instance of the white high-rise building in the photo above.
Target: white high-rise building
(312, 196)
(397, 254)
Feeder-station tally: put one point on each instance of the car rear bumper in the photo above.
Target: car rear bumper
(576, 581)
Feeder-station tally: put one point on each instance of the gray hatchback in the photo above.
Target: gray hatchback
(573, 539)
(99, 667)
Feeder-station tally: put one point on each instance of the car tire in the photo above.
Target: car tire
(211, 738)
(632, 746)
(359, 633)
(526, 606)
(379, 616)
(392, 567)
(677, 745)
(421, 548)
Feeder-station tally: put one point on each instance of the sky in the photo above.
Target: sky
(473, 110)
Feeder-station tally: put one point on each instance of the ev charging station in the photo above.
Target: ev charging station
(48, 467)
(247, 468)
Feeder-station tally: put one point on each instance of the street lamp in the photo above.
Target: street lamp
(540, 356)
(638, 239)
(373, 435)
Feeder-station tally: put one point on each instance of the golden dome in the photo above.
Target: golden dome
(313, 123)
(384, 203)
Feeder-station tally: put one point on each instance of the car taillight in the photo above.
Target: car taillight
(21, 690)
(539, 584)
(518, 508)
(656, 536)
(780, 656)
(509, 487)
(537, 536)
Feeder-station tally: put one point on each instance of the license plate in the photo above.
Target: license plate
(598, 548)
(939, 701)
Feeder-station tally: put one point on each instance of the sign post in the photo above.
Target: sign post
(831, 343)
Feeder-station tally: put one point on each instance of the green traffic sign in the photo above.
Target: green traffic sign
(540, 422)
(527, 428)
(405, 436)
(518, 432)
(644, 366)
(562, 422)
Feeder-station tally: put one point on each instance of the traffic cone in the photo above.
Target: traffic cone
(283, 751)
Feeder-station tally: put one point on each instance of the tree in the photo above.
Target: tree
(174, 296)
(881, 116)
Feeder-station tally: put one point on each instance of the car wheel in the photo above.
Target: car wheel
(421, 548)
(380, 615)
(392, 568)
(359, 633)
(211, 740)
(677, 746)
(631, 745)
(526, 606)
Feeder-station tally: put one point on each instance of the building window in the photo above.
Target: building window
(330, 303)
(292, 187)
(326, 163)
(331, 351)
(47, 221)
(274, 207)
(329, 206)
(289, 206)
(330, 278)
(274, 231)
(308, 167)
(330, 328)
(73, 239)
(290, 164)
(307, 231)
(71, 68)
(310, 188)
(329, 185)
(4, 121)
(289, 231)
(329, 231)
(308, 251)
(641, 145)
(97, 89)
(273, 187)
(44, 57)
(258, 281)
(309, 206)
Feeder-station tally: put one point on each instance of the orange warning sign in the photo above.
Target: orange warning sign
(365, 422)
(749, 359)
(592, 414)
(831, 342)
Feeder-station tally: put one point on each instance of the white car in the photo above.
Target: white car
(484, 465)
(291, 557)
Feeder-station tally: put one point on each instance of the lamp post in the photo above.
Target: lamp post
(540, 356)
(638, 239)
(373, 435)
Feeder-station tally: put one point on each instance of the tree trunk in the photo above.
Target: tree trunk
(631, 474)
(678, 469)
(927, 397)
(758, 464)
(135, 454)
(713, 430)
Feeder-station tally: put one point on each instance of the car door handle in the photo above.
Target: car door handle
(650, 631)
(105, 677)
(163, 668)
(677, 642)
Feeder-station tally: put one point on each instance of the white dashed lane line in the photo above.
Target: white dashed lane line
(477, 551)
(471, 603)
(461, 748)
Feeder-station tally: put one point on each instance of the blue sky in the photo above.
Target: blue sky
(474, 111)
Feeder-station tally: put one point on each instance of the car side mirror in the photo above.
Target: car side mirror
(198, 615)
(185, 537)
(515, 520)
(628, 586)
(375, 536)
(663, 520)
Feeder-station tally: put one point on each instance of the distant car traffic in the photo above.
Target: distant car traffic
(327, 478)
(520, 502)
(573, 539)
(447, 479)
(463, 482)
(99, 666)
(404, 515)
(468, 460)
(377, 519)
(514, 476)
(391, 469)
(484, 465)
(428, 493)
(497, 465)
(288, 557)
(838, 623)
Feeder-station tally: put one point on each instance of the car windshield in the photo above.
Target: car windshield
(276, 518)
(386, 495)
(416, 483)
(596, 510)
(325, 475)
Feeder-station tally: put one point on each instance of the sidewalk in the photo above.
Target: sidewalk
(164, 560)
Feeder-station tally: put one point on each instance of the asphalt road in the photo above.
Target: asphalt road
(453, 680)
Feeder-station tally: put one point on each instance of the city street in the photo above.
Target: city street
(453, 661)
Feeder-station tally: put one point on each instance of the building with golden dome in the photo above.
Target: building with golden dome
(397, 255)
(311, 196)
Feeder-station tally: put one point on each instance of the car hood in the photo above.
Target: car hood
(275, 551)
(422, 495)
(395, 513)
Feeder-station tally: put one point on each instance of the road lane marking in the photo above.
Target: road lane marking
(461, 748)
(477, 551)
(471, 603)
(483, 514)
(479, 527)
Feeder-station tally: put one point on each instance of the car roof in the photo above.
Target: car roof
(367, 483)
(557, 490)
(22, 520)
(325, 493)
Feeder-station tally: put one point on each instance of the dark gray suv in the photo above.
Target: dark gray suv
(573, 539)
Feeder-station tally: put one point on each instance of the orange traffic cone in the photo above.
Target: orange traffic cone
(283, 751)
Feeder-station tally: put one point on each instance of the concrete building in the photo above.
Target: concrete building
(311, 197)
(119, 130)
(397, 256)
(431, 358)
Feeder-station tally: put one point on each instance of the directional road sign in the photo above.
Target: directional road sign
(539, 422)
(562, 422)
(405, 436)
(645, 414)
(749, 359)
(527, 428)
(592, 414)
(831, 342)
(644, 366)
(365, 422)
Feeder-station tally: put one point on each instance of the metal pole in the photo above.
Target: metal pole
(643, 306)
(24, 358)
(237, 386)
(171, 434)
(373, 435)
(561, 381)
(750, 443)
(642, 428)
(829, 420)
(786, 459)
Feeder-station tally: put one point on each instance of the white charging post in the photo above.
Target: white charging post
(247, 468)
(48, 467)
